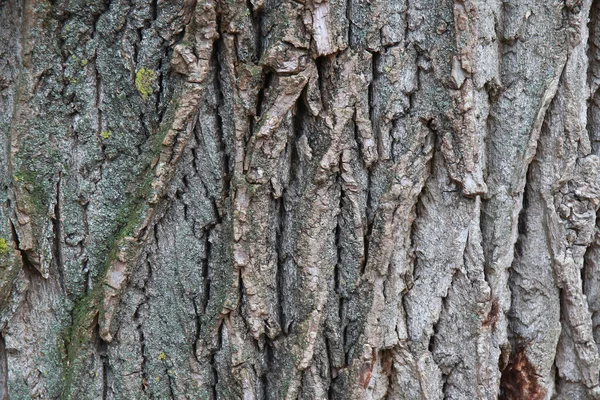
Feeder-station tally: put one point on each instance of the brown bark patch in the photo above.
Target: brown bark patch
(366, 370)
(387, 362)
(519, 380)
(492, 317)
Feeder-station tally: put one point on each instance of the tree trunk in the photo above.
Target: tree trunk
(299, 199)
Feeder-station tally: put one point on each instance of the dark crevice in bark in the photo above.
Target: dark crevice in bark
(387, 362)
(336, 273)
(492, 94)
(193, 149)
(521, 232)
(197, 326)
(271, 362)
(163, 80)
(280, 272)
(300, 115)
(205, 273)
(366, 240)
(248, 140)
(215, 207)
(357, 139)
(258, 27)
(370, 212)
(445, 385)
(322, 67)
(264, 383)
(342, 297)
(160, 93)
(139, 323)
(582, 270)
(136, 51)
(349, 21)
(289, 202)
(521, 222)
(589, 270)
(142, 341)
(28, 266)
(57, 237)
(593, 71)
(178, 195)
(368, 229)
(147, 134)
(346, 345)
(213, 364)
(418, 204)
(3, 370)
(102, 351)
(567, 332)
(338, 233)
(443, 310)
(267, 82)
(416, 210)
(519, 377)
(154, 8)
(61, 17)
(256, 21)
(98, 95)
(227, 165)
(371, 94)
(593, 129)
(105, 367)
(331, 370)
(96, 18)
(483, 223)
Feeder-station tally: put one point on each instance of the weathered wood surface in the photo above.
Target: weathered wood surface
(299, 199)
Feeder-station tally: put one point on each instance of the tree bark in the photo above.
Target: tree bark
(311, 199)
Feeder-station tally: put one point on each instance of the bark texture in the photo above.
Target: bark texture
(299, 199)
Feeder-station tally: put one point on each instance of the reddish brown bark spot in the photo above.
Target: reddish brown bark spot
(519, 380)
(366, 370)
(492, 317)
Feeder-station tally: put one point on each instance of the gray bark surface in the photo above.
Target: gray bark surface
(299, 199)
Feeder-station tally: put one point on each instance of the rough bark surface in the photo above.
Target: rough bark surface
(299, 199)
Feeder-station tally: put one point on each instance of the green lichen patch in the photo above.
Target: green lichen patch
(3, 247)
(144, 82)
(106, 134)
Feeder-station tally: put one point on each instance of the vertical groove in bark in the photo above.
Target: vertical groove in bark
(4, 394)
(592, 267)
(521, 377)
